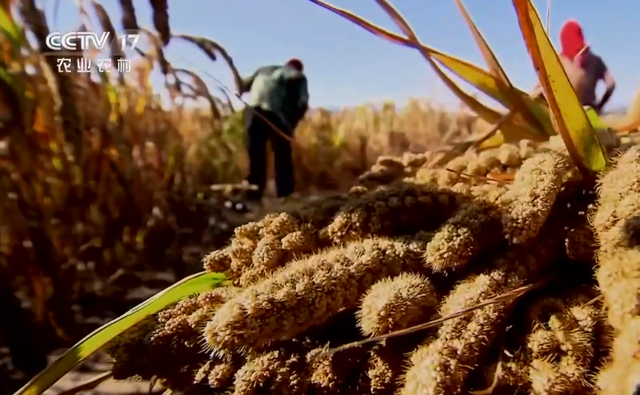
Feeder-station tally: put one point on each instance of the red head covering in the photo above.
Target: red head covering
(295, 63)
(572, 40)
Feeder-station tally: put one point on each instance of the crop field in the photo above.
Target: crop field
(425, 252)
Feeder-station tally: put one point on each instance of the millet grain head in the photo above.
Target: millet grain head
(216, 297)
(396, 303)
(172, 348)
(562, 349)
(384, 368)
(275, 372)
(442, 366)
(218, 261)
(622, 375)
(267, 256)
(618, 277)
(436, 177)
(128, 349)
(476, 167)
(265, 236)
(171, 353)
(404, 209)
(180, 309)
(272, 253)
(221, 375)
(340, 373)
(489, 159)
(410, 159)
(618, 192)
(390, 161)
(510, 156)
(241, 253)
(527, 148)
(300, 242)
(482, 163)
(209, 302)
(357, 191)
(249, 231)
(554, 144)
(530, 198)
(279, 225)
(474, 228)
(319, 214)
(307, 293)
(385, 171)
(550, 342)
(619, 261)
(484, 194)
(460, 163)
(203, 372)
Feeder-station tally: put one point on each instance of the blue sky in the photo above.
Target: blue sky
(348, 66)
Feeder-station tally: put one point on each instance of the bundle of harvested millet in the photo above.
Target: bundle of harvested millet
(410, 244)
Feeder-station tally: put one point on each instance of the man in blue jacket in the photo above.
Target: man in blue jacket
(279, 101)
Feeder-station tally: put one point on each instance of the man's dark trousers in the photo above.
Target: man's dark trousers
(259, 133)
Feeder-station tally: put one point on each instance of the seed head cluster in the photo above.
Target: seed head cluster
(522, 273)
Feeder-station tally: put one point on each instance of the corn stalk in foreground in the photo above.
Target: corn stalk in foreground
(72, 219)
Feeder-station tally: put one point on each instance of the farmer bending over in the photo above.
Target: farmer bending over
(279, 100)
(584, 68)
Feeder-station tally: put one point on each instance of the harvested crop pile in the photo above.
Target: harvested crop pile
(517, 226)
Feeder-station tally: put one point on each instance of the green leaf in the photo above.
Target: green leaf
(11, 30)
(594, 118)
(94, 341)
(572, 122)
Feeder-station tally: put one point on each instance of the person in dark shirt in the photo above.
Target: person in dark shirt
(584, 68)
(279, 98)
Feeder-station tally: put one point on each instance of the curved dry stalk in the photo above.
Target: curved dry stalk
(202, 90)
(106, 24)
(161, 19)
(228, 98)
(129, 20)
(35, 20)
(156, 43)
(210, 48)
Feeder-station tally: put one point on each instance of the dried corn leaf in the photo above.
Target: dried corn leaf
(524, 106)
(489, 115)
(477, 77)
(572, 121)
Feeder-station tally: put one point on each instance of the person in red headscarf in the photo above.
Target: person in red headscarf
(584, 68)
(279, 100)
